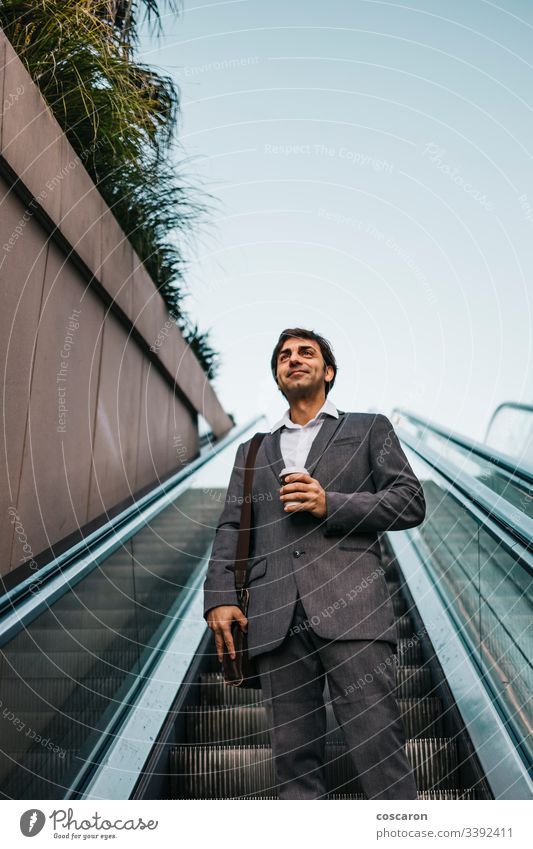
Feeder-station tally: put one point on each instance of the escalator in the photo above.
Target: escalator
(474, 545)
(227, 751)
(110, 686)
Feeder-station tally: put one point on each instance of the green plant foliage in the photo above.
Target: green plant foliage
(120, 116)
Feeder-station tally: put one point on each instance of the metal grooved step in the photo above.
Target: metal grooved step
(208, 771)
(423, 796)
(411, 682)
(247, 724)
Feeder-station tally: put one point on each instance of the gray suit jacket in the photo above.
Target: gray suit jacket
(334, 563)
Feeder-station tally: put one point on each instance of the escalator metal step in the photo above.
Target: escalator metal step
(470, 793)
(26, 778)
(227, 771)
(434, 762)
(52, 693)
(65, 731)
(409, 652)
(423, 796)
(83, 617)
(18, 731)
(405, 626)
(247, 724)
(448, 795)
(240, 725)
(422, 717)
(76, 663)
(208, 772)
(213, 691)
(109, 598)
(412, 682)
(400, 607)
(80, 639)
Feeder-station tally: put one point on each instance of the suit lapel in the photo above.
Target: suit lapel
(273, 453)
(321, 441)
(272, 445)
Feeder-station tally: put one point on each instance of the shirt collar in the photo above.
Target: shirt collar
(328, 408)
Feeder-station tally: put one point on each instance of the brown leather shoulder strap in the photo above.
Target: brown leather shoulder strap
(243, 542)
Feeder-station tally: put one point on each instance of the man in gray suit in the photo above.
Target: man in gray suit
(319, 606)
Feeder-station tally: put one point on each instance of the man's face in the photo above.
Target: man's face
(300, 368)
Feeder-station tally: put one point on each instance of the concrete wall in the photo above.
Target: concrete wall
(101, 392)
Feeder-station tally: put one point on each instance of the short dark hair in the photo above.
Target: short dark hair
(301, 333)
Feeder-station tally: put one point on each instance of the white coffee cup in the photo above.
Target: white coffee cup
(291, 470)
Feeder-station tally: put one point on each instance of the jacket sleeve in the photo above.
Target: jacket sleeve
(219, 585)
(398, 502)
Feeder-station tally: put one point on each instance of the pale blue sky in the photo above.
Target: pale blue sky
(373, 165)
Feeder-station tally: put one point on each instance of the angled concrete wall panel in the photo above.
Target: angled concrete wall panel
(56, 466)
(132, 386)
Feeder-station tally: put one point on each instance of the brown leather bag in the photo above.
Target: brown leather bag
(241, 671)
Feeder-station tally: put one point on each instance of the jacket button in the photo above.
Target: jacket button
(297, 553)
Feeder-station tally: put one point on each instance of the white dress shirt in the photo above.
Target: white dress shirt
(296, 439)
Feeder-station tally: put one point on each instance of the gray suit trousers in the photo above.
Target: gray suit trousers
(361, 678)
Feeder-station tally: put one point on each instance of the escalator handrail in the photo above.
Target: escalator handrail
(485, 499)
(507, 405)
(64, 566)
(524, 471)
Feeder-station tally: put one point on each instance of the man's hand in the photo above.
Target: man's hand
(307, 491)
(219, 619)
